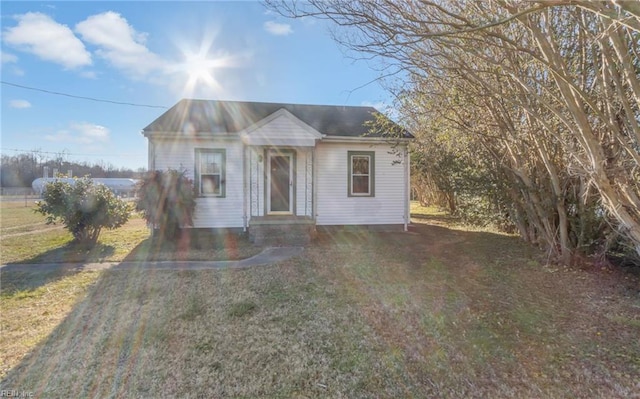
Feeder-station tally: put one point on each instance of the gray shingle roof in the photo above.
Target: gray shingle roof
(209, 116)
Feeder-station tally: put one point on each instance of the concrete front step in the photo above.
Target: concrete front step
(281, 234)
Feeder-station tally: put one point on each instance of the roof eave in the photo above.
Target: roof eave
(196, 135)
(364, 139)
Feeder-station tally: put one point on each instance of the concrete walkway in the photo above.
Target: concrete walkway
(267, 257)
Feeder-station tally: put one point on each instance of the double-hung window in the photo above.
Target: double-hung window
(210, 172)
(361, 173)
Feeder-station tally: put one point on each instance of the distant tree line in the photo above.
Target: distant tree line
(22, 169)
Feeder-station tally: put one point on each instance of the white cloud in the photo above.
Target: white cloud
(81, 132)
(7, 58)
(60, 136)
(20, 104)
(277, 29)
(10, 60)
(89, 74)
(39, 34)
(90, 132)
(119, 43)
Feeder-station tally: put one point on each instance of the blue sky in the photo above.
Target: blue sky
(156, 53)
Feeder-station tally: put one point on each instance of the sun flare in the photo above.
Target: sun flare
(199, 69)
(201, 65)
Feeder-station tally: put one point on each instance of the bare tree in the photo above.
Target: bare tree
(549, 90)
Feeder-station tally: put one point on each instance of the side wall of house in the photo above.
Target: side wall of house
(211, 212)
(336, 207)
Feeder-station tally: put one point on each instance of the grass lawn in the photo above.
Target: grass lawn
(16, 217)
(25, 238)
(438, 312)
(33, 303)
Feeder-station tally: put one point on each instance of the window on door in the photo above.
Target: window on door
(361, 176)
(210, 172)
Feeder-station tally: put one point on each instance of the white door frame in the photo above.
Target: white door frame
(288, 154)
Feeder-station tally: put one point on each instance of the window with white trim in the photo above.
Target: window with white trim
(210, 172)
(361, 173)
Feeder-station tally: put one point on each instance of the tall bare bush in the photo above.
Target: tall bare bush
(546, 93)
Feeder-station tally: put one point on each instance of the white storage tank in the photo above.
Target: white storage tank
(119, 186)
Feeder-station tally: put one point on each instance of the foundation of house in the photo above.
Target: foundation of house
(281, 230)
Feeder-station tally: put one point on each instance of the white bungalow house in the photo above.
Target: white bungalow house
(266, 164)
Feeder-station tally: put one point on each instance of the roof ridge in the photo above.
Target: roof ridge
(275, 103)
(230, 116)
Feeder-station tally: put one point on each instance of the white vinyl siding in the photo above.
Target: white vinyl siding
(330, 163)
(304, 182)
(282, 129)
(336, 207)
(211, 212)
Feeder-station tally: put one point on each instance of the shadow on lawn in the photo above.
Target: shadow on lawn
(408, 251)
(405, 252)
(73, 252)
(50, 266)
(440, 219)
(78, 322)
(432, 237)
(195, 245)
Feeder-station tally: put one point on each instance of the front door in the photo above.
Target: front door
(280, 184)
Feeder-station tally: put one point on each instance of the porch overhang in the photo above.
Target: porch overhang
(279, 142)
(281, 129)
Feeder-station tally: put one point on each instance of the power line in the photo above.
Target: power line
(57, 93)
(63, 153)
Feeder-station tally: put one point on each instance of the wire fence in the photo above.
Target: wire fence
(25, 195)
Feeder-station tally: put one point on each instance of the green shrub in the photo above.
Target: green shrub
(84, 208)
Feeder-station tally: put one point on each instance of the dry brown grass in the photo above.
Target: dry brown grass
(18, 216)
(196, 245)
(436, 313)
(32, 304)
(25, 238)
